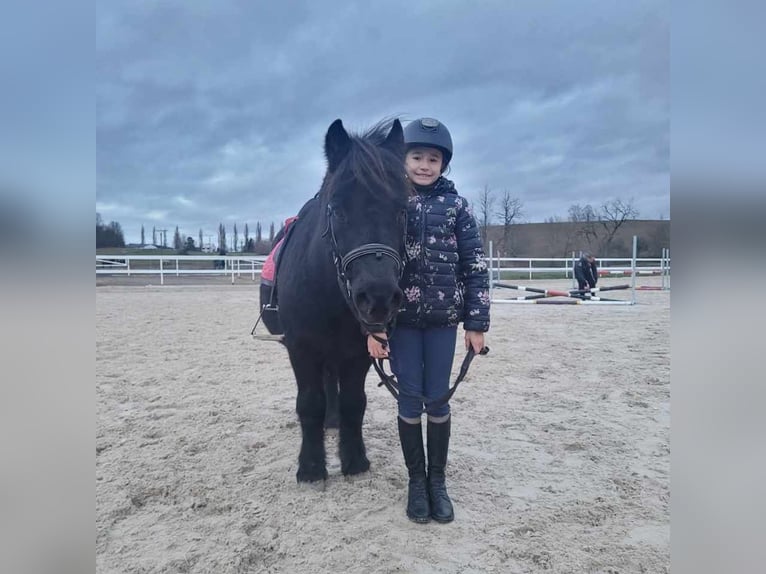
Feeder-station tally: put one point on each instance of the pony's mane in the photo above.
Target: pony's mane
(374, 168)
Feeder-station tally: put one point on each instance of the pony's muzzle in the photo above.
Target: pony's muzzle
(377, 304)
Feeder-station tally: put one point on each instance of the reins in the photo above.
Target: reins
(390, 382)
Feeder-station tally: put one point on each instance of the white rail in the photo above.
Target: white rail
(178, 265)
(563, 265)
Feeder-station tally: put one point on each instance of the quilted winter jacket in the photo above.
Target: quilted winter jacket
(445, 277)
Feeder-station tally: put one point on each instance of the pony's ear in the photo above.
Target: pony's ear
(336, 144)
(395, 139)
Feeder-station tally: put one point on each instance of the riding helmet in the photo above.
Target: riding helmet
(429, 132)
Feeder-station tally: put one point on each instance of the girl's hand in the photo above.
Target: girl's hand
(376, 349)
(474, 340)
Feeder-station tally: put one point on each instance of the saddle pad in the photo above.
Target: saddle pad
(268, 273)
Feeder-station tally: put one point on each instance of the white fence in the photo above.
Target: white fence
(177, 265)
(529, 266)
(237, 266)
(563, 267)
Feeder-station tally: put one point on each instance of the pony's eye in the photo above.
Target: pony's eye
(340, 215)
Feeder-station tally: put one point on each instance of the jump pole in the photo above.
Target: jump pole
(633, 267)
(548, 292)
(560, 302)
(492, 274)
(574, 262)
(599, 289)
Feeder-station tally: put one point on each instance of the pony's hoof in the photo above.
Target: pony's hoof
(356, 466)
(311, 475)
(331, 424)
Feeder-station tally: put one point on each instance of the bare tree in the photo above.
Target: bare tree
(484, 211)
(201, 244)
(246, 244)
(586, 219)
(511, 209)
(271, 233)
(108, 235)
(143, 236)
(154, 235)
(236, 238)
(561, 236)
(614, 214)
(221, 238)
(258, 233)
(177, 241)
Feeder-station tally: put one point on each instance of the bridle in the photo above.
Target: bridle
(342, 262)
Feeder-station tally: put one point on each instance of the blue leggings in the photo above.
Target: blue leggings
(421, 359)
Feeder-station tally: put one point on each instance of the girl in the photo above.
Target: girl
(445, 281)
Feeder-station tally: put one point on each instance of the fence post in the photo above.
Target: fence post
(574, 262)
(128, 262)
(491, 273)
(491, 267)
(633, 266)
(530, 269)
(162, 275)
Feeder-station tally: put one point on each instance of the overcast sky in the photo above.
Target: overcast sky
(216, 111)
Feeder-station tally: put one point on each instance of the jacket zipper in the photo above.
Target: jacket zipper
(422, 318)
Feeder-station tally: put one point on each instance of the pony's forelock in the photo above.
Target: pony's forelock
(372, 166)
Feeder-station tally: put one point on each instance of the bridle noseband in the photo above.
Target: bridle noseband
(342, 262)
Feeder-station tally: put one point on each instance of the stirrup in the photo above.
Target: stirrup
(276, 338)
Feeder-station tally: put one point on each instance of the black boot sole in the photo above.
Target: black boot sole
(443, 520)
(419, 519)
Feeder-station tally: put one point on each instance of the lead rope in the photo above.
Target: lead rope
(390, 382)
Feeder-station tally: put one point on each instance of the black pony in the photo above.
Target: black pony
(338, 279)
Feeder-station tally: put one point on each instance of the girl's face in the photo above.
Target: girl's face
(423, 165)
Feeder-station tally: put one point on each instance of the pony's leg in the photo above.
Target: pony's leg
(352, 403)
(310, 406)
(331, 398)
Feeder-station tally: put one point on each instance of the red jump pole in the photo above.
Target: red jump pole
(547, 292)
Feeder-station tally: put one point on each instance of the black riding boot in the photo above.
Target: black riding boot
(411, 437)
(438, 445)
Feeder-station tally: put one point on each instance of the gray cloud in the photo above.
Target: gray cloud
(210, 112)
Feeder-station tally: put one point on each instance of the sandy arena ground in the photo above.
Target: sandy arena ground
(560, 453)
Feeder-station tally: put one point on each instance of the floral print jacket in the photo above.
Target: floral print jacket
(445, 277)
